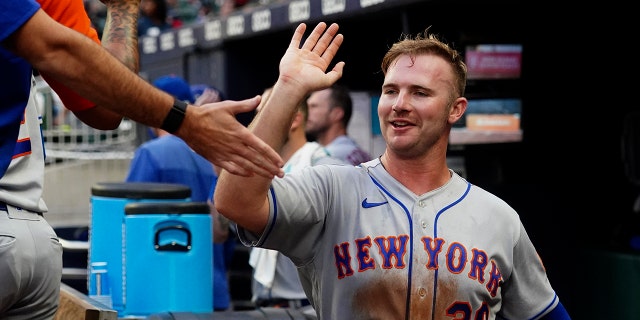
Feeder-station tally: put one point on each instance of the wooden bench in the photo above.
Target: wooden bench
(75, 305)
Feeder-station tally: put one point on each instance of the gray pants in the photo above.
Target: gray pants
(30, 266)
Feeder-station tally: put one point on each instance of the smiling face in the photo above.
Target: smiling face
(418, 105)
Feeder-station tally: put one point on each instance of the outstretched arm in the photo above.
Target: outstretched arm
(119, 38)
(302, 70)
(85, 67)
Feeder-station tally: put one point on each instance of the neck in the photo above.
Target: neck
(331, 134)
(420, 175)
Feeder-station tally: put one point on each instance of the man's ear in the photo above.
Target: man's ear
(336, 114)
(458, 108)
(298, 120)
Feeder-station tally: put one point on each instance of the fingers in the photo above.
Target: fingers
(248, 161)
(246, 105)
(236, 107)
(328, 40)
(297, 36)
(336, 72)
(257, 155)
(265, 157)
(234, 169)
(321, 38)
(240, 152)
(323, 41)
(313, 38)
(331, 42)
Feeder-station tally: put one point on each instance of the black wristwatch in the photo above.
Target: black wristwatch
(175, 117)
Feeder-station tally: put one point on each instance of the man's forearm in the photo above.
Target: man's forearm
(120, 38)
(120, 34)
(83, 65)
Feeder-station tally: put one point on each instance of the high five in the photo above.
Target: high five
(401, 236)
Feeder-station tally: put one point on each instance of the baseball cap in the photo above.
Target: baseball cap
(176, 86)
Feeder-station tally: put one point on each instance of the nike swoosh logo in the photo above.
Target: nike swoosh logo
(366, 204)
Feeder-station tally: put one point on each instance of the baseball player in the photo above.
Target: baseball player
(401, 236)
(32, 256)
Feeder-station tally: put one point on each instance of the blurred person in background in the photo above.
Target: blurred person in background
(330, 111)
(227, 7)
(204, 93)
(208, 9)
(153, 18)
(168, 159)
(97, 12)
(183, 12)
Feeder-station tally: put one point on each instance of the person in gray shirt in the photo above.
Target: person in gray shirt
(329, 115)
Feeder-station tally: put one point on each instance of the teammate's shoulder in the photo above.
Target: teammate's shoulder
(321, 155)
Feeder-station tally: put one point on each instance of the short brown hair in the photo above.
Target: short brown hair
(426, 43)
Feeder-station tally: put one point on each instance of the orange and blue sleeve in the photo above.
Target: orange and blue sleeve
(72, 14)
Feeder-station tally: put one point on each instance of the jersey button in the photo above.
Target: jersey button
(422, 292)
(424, 224)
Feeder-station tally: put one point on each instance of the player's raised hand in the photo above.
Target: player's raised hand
(306, 65)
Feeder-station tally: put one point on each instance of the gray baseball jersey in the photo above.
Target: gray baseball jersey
(368, 248)
(31, 255)
(22, 183)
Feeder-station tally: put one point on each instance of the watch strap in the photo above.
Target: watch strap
(174, 118)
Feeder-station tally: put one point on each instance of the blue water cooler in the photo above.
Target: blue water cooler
(168, 258)
(106, 241)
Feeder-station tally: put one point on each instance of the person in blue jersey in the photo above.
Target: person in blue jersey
(168, 159)
(224, 246)
(31, 258)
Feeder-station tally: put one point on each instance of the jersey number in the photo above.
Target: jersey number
(462, 311)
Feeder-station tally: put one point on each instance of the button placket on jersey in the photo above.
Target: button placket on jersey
(421, 207)
(423, 214)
